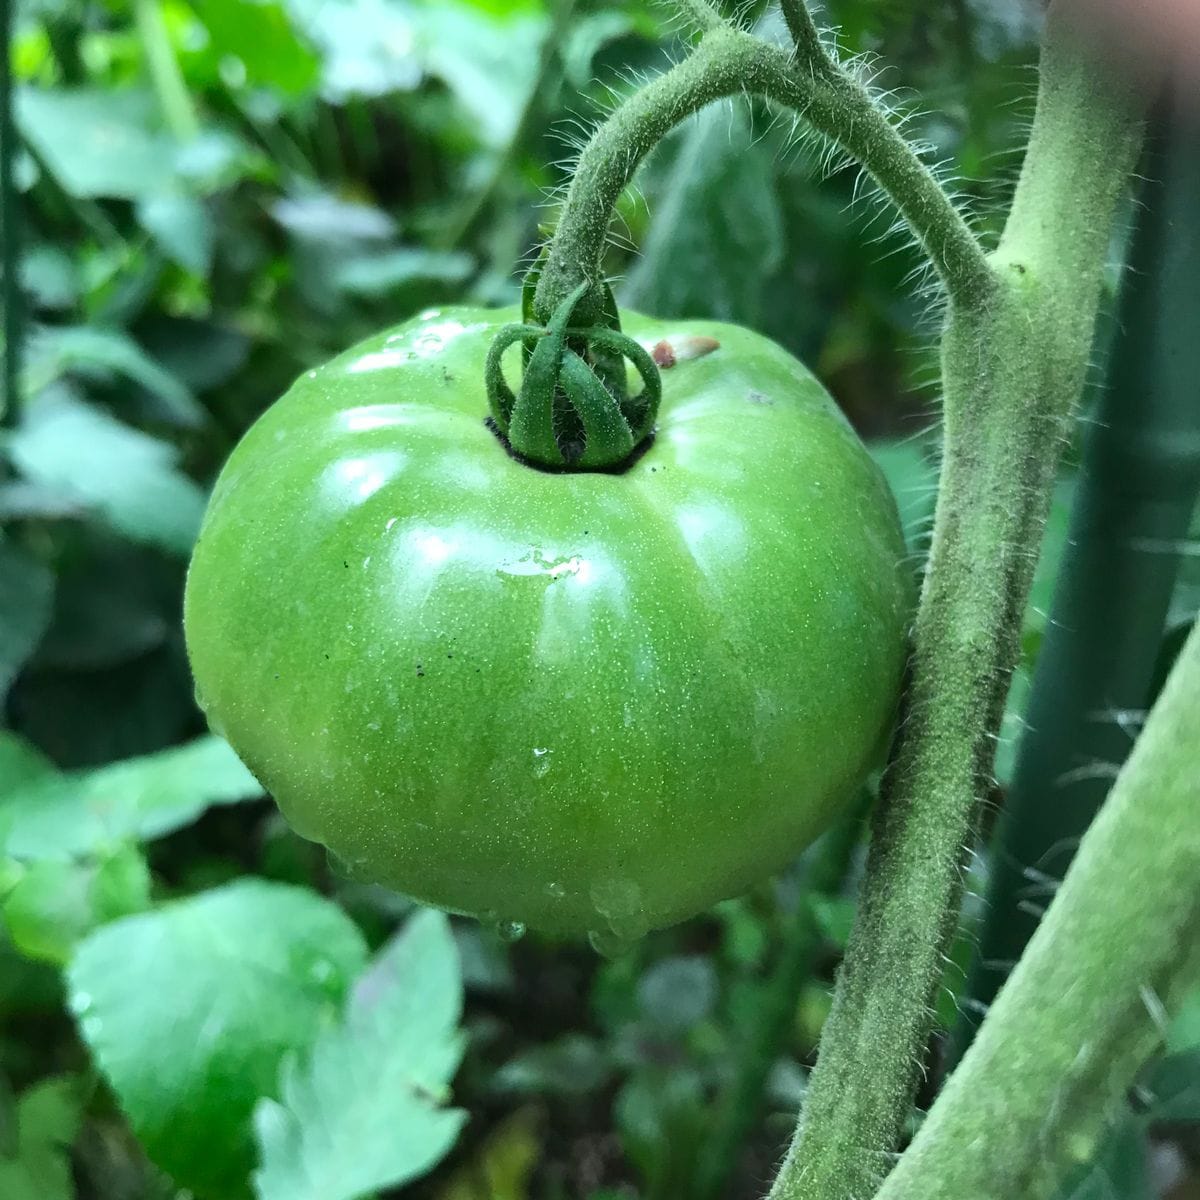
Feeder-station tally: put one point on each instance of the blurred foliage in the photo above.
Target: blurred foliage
(215, 196)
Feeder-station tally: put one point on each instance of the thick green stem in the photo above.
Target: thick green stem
(728, 62)
(173, 98)
(804, 34)
(702, 14)
(1133, 506)
(1084, 1007)
(1013, 366)
(9, 227)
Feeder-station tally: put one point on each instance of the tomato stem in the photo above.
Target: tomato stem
(1082, 1011)
(730, 62)
(1013, 367)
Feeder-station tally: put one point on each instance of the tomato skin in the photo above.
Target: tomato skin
(581, 701)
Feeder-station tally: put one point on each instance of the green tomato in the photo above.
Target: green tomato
(579, 701)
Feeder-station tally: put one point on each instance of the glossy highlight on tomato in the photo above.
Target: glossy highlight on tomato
(586, 702)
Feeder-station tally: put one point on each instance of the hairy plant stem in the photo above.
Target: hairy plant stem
(1136, 493)
(729, 62)
(1084, 1007)
(701, 13)
(10, 234)
(803, 31)
(1013, 366)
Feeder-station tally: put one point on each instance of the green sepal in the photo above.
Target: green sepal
(574, 378)
(607, 436)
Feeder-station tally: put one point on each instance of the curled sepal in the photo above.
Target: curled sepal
(573, 410)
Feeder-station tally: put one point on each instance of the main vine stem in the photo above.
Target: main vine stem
(1075, 1021)
(1013, 367)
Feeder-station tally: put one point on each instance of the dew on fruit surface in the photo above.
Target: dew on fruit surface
(608, 944)
(429, 314)
(534, 563)
(618, 902)
(541, 760)
(555, 890)
(510, 931)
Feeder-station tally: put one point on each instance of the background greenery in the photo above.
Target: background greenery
(215, 195)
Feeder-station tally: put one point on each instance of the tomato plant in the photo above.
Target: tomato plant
(587, 701)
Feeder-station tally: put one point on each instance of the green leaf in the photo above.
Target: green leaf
(378, 274)
(1184, 1033)
(487, 58)
(20, 764)
(571, 1066)
(97, 142)
(676, 993)
(324, 217)
(503, 1168)
(1120, 1172)
(259, 34)
(1171, 1087)
(26, 603)
(330, 1137)
(51, 277)
(48, 1118)
(113, 602)
(190, 1010)
(64, 816)
(717, 230)
(54, 905)
(182, 227)
(97, 353)
(912, 474)
(127, 477)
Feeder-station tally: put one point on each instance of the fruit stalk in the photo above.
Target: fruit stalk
(730, 62)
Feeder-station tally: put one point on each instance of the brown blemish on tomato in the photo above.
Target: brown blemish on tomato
(663, 355)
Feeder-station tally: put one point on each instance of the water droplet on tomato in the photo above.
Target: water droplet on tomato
(555, 890)
(610, 945)
(510, 931)
(541, 760)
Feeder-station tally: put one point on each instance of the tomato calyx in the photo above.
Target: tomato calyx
(573, 410)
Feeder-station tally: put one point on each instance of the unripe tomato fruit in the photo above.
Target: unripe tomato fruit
(582, 701)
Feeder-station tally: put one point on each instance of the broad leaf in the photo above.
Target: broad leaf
(717, 230)
(335, 1136)
(26, 603)
(181, 226)
(97, 353)
(54, 905)
(47, 1119)
(124, 475)
(64, 816)
(190, 1010)
(98, 142)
